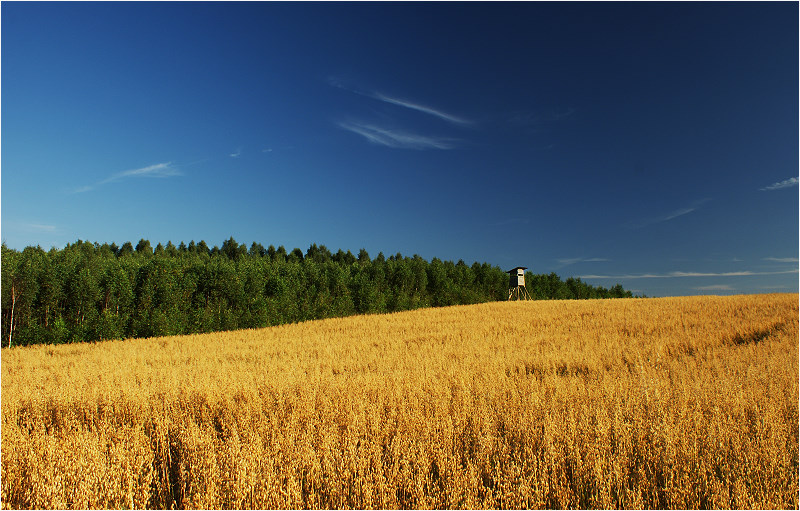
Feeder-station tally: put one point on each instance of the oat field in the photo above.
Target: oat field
(639, 403)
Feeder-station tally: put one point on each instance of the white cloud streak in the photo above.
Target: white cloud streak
(236, 153)
(159, 170)
(421, 108)
(716, 287)
(643, 222)
(41, 227)
(676, 214)
(395, 138)
(684, 274)
(453, 119)
(572, 260)
(786, 183)
(782, 259)
(32, 227)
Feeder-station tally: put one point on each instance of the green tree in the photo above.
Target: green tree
(116, 300)
(230, 249)
(82, 291)
(362, 290)
(125, 250)
(51, 290)
(89, 291)
(401, 281)
(618, 292)
(440, 284)
(33, 264)
(11, 290)
(344, 258)
(257, 250)
(250, 272)
(319, 254)
(296, 256)
(143, 247)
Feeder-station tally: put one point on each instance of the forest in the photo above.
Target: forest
(88, 292)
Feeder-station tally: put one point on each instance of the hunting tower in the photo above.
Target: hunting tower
(516, 284)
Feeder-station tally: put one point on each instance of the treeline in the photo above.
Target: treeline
(92, 292)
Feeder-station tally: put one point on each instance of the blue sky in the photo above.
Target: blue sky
(650, 144)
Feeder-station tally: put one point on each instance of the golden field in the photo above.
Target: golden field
(639, 403)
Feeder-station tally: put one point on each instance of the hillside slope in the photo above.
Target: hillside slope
(675, 402)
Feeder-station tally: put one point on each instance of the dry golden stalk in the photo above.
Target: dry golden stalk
(641, 403)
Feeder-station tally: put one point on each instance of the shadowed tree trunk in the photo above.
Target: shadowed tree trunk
(13, 303)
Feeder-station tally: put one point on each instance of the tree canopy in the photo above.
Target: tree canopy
(92, 292)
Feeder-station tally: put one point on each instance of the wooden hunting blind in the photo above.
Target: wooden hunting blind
(516, 284)
(517, 276)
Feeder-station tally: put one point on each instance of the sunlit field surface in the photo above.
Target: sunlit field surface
(637, 403)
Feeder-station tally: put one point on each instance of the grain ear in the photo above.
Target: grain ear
(646, 403)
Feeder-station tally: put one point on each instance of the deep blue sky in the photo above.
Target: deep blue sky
(651, 144)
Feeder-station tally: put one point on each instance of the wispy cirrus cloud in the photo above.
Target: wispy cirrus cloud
(643, 222)
(31, 227)
(782, 259)
(676, 214)
(396, 138)
(715, 287)
(340, 83)
(422, 108)
(786, 183)
(574, 260)
(236, 153)
(41, 227)
(685, 274)
(159, 170)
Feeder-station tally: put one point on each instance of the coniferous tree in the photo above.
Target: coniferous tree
(230, 249)
(257, 250)
(143, 247)
(296, 256)
(125, 250)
